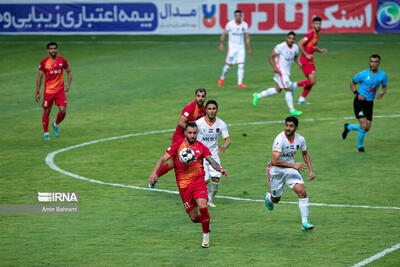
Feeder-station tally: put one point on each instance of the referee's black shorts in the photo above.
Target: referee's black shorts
(363, 108)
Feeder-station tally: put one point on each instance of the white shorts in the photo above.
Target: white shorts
(236, 55)
(283, 80)
(209, 170)
(277, 177)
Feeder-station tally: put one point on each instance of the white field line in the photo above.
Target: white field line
(377, 256)
(50, 162)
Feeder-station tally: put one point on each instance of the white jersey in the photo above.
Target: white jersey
(285, 57)
(209, 133)
(287, 148)
(236, 34)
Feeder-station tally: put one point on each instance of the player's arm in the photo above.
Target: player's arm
(297, 59)
(307, 160)
(216, 166)
(301, 44)
(322, 51)
(353, 88)
(69, 72)
(182, 122)
(153, 177)
(383, 91)
(272, 61)
(221, 41)
(247, 35)
(300, 166)
(38, 85)
(225, 145)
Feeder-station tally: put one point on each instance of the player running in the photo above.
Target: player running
(308, 45)
(282, 169)
(53, 68)
(237, 30)
(285, 53)
(192, 112)
(190, 178)
(369, 80)
(210, 128)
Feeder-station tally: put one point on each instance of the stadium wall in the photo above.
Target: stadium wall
(191, 16)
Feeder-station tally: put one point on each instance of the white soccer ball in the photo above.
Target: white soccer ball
(187, 156)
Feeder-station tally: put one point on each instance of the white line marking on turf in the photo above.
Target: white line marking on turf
(50, 162)
(377, 256)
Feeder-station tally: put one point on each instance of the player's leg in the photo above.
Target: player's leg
(269, 91)
(61, 102)
(289, 102)
(228, 63)
(309, 72)
(47, 105)
(240, 59)
(276, 187)
(212, 191)
(205, 221)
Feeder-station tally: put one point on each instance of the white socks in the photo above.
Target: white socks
(268, 197)
(240, 73)
(302, 98)
(212, 191)
(289, 100)
(295, 85)
(267, 92)
(304, 206)
(224, 71)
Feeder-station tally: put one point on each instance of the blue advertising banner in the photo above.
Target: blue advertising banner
(388, 16)
(99, 17)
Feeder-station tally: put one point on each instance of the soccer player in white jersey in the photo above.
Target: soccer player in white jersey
(282, 169)
(285, 53)
(210, 128)
(237, 30)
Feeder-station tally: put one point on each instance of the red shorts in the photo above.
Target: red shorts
(192, 192)
(308, 69)
(58, 97)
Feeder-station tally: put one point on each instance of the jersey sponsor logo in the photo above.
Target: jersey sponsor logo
(360, 113)
(289, 154)
(186, 113)
(209, 138)
(217, 130)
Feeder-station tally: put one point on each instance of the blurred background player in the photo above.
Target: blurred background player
(210, 128)
(285, 53)
(308, 45)
(53, 68)
(190, 178)
(282, 169)
(192, 112)
(237, 29)
(369, 80)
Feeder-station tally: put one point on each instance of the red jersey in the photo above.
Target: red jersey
(192, 173)
(310, 46)
(191, 112)
(54, 74)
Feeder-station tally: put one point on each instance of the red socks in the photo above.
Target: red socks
(45, 121)
(205, 220)
(305, 83)
(60, 117)
(306, 91)
(164, 169)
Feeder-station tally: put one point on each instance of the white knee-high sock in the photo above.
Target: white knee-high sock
(224, 71)
(267, 92)
(212, 191)
(289, 100)
(240, 73)
(268, 197)
(304, 207)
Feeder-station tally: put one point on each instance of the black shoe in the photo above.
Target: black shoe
(361, 149)
(345, 131)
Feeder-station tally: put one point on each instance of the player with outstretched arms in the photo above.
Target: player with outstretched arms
(283, 169)
(237, 31)
(190, 177)
(52, 67)
(285, 53)
(210, 128)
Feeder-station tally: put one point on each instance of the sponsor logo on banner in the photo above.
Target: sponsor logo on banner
(209, 19)
(388, 15)
(344, 16)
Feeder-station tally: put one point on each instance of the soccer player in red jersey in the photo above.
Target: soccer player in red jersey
(192, 112)
(190, 177)
(308, 45)
(53, 68)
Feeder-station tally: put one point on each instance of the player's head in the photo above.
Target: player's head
(200, 96)
(374, 61)
(291, 124)
(316, 23)
(211, 109)
(291, 38)
(238, 15)
(191, 132)
(52, 49)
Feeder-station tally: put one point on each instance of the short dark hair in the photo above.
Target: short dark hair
(291, 33)
(212, 102)
(191, 124)
(375, 56)
(316, 19)
(50, 44)
(200, 90)
(292, 119)
(238, 11)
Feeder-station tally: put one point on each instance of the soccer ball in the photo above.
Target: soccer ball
(187, 156)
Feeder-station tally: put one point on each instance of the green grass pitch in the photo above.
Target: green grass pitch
(123, 85)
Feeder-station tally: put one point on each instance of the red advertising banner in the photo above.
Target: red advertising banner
(345, 16)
